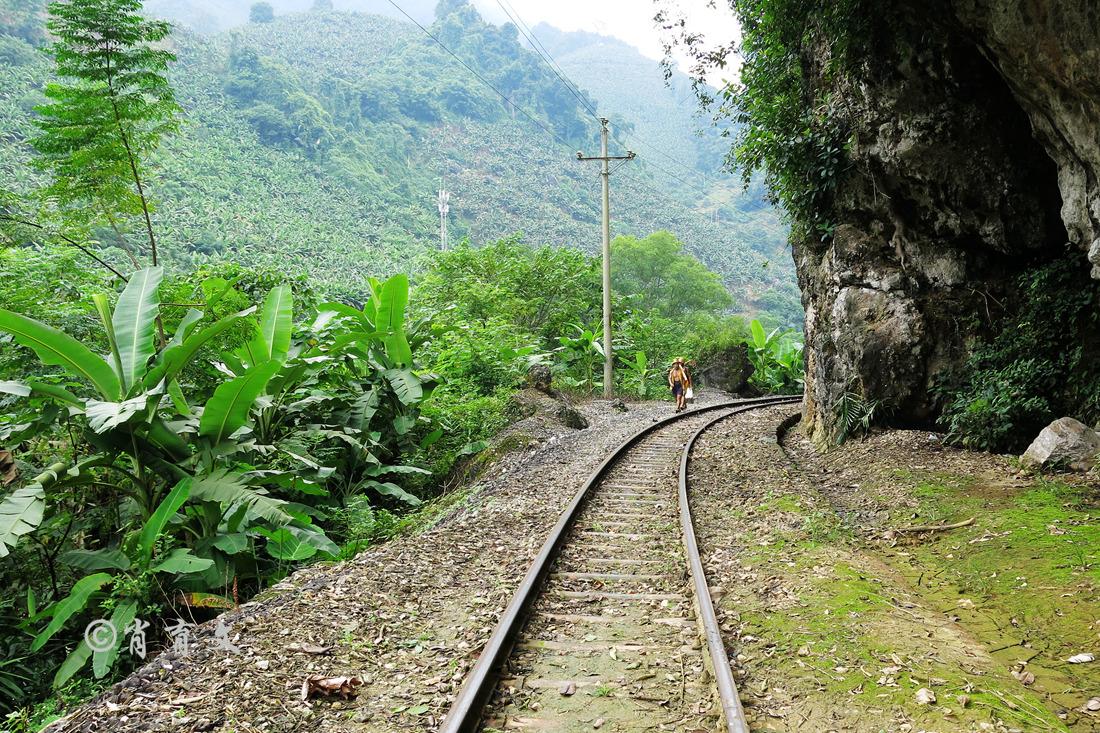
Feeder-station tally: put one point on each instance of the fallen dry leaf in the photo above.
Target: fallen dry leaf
(8, 471)
(320, 686)
(1025, 677)
(925, 696)
(569, 688)
(1093, 705)
(1081, 658)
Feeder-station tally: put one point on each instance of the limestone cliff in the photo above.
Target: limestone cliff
(974, 153)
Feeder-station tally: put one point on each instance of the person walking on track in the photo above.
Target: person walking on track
(679, 380)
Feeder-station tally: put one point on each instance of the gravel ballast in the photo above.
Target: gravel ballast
(407, 617)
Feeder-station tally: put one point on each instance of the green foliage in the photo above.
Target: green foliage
(352, 118)
(639, 377)
(1036, 368)
(107, 112)
(541, 291)
(777, 358)
(854, 415)
(663, 278)
(580, 359)
(787, 125)
(134, 566)
(261, 13)
(183, 490)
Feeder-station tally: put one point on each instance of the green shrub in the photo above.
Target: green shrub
(777, 359)
(1043, 363)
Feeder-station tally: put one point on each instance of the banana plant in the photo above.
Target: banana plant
(134, 416)
(581, 356)
(638, 374)
(777, 359)
(130, 570)
(372, 342)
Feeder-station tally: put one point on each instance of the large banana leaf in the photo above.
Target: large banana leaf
(124, 614)
(104, 416)
(21, 389)
(72, 664)
(57, 348)
(89, 560)
(227, 409)
(759, 339)
(226, 488)
(187, 325)
(103, 308)
(272, 339)
(177, 356)
(405, 384)
(72, 604)
(283, 545)
(134, 323)
(21, 513)
(393, 490)
(181, 561)
(393, 299)
(398, 349)
(164, 512)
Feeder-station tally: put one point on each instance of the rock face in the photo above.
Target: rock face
(974, 155)
(1064, 442)
(728, 370)
(553, 406)
(1048, 51)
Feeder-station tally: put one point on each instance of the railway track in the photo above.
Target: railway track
(613, 625)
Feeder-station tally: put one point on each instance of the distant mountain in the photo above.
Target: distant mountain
(213, 16)
(316, 144)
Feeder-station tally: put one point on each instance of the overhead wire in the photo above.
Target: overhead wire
(540, 50)
(574, 88)
(481, 78)
(526, 114)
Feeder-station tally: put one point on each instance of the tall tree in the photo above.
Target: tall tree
(261, 13)
(107, 113)
(662, 276)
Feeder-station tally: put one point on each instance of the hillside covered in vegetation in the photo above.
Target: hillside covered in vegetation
(316, 143)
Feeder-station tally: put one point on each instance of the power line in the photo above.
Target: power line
(543, 54)
(524, 112)
(645, 184)
(483, 80)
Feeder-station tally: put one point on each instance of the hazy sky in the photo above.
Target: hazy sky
(629, 20)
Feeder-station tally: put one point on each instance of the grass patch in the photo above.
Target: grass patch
(1027, 572)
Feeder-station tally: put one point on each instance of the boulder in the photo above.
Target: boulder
(539, 377)
(552, 407)
(728, 369)
(1064, 442)
(570, 417)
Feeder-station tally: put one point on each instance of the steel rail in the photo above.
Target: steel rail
(732, 712)
(465, 712)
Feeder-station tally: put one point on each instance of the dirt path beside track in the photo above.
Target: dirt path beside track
(829, 625)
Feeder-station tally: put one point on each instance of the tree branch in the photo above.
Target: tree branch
(67, 240)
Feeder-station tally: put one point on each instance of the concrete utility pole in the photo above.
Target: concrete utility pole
(605, 176)
(444, 209)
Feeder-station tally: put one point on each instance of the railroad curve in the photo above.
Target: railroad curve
(608, 627)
